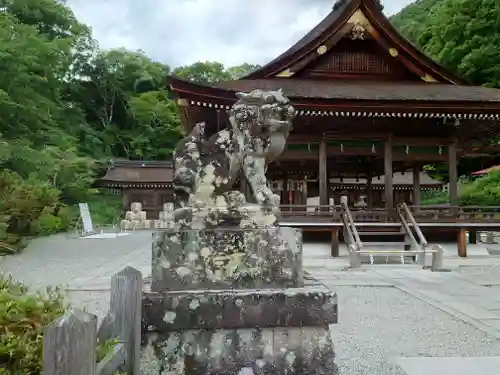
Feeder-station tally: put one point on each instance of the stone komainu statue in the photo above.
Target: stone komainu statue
(207, 168)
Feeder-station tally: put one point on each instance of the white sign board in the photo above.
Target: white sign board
(85, 216)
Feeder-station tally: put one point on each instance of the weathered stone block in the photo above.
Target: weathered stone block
(226, 258)
(216, 309)
(258, 351)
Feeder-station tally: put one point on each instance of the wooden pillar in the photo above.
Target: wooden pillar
(369, 191)
(334, 249)
(284, 191)
(416, 185)
(304, 192)
(462, 243)
(453, 173)
(322, 174)
(389, 195)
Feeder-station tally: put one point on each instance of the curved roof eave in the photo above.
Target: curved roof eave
(332, 23)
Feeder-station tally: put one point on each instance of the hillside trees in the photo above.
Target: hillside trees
(125, 101)
(463, 35)
(65, 106)
(210, 72)
(37, 50)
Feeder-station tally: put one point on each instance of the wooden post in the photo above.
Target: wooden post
(126, 307)
(389, 195)
(323, 175)
(462, 243)
(369, 191)
(334, 249)
(304, 191)
(416, 185)
(284, 192)
(69, 345)
(453, 174)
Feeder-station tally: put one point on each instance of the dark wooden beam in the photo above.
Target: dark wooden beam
(430, 141)
(416, 185)
(453, 174)
(389, 196)
(323, 174)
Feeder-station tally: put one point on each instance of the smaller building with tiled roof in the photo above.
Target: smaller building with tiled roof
(147, 182)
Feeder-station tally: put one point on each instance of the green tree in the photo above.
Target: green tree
(211, 72)
(484, 191)
(205, 73)
(110, 96)
(157, 129)
(464, 35)
(239, 71)
(413, 20)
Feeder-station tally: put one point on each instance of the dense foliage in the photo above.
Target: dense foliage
(23, 316)
(463, 35)
(483, 191)
(66, 107)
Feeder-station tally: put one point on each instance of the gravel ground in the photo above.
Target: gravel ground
(59, 259)
(482, 270)
(377, 324)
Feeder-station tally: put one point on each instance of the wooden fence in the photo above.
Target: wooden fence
(69, 343)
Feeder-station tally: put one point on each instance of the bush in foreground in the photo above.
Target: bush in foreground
(23, 316)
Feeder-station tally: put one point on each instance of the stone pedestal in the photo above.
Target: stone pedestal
(234, 302)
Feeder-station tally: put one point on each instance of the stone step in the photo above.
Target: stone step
(386, 256)
(377, 244)
(388, 234)
(387, 252)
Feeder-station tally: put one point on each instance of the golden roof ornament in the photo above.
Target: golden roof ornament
(358, 30)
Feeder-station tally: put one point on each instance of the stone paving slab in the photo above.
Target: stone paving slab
(464, 300)
(494, 323)
(452, 366)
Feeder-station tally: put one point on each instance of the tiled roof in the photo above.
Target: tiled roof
(125, 171)
(352, 90)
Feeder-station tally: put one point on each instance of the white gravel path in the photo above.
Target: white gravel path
(377, 324)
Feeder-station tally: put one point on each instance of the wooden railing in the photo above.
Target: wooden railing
(351, 236)
(406, 214)
(421, 214)
(469, 214)
(332, 213)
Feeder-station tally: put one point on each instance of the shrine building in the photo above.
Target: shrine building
(370, 106)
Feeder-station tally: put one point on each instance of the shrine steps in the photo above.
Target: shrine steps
(384, 247)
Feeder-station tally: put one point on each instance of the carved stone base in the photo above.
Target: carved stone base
(244, 332)
(227, 258)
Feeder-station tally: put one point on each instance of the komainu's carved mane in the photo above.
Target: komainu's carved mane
(206, 168)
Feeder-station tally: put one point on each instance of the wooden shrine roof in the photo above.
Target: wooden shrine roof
(369, 90)
(355, 66)
(144, 174)
(366, 13)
